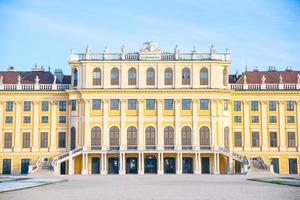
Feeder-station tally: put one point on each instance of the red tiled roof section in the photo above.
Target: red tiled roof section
(28, 77)
(255, 77)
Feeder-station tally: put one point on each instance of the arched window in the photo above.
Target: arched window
(150, 137)
(132, 137)
(186, 76)
(96, 137)
(75, 77)
(226, 137)
(168, 76)
(204, 76)
(186, 137)
(114, 137)
(169, 137)
(150, 76)
(204, 137)
(97, 76)
(225, 77)
(132, 76)
(114, 77)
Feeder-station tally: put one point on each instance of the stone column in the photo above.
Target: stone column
(122, 164)
(230, 168)
(36, 121)
(53, 133)
(141, 132)
(264, 131)
(298, 123)
(80, 121)
(87, 131)
(196, 165)
(1, 125)
(177, 124)
(141, 163)
(71, 166)
(220, 124)
(160, 163)
(200, 163)
(282, 137)
(195, 131)
(216, 163)
(123, 132)
(17, 145)
(179, 163)
(159, 128)
(213, 123)
(103, 164)
(84, 164)
(105, 131)
(246, 126)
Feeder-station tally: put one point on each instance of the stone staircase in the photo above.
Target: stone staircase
(42, 167)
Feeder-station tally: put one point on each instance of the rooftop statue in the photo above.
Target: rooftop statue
(150, 47)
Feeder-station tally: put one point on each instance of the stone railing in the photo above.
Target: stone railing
(280, 86)
(32, 87)
(164, 56)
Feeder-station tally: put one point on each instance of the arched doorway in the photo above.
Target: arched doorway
(73, 138)
(187, 165)
(150, 163)
(169, 166)
(131, 165)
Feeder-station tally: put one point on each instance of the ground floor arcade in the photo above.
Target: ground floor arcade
(149, 163)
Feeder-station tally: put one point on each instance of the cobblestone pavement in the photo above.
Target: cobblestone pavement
(183, 187)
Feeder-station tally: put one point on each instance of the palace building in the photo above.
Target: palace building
(149, 112)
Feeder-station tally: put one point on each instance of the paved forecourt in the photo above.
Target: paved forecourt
(156, 187)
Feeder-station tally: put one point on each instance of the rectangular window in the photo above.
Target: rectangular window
(44, 119)
(7, 140)
(44, 140)
(27, 106)
(62, 119)
(73, 103)
(26, 119)
(254, 106)
(45, 106)
(226, 105)
(9, 106)
(255, 119)
(62, 139)
(96, 104)
(272, 106)
(132, 104)
(237, 119)
(8, 119)
(62, 106)
(293, 166)
(291, 139)
(186, 104)
(238, 139)
(255, 139)
(272, 119)
(168, 104)
(237, 105)
(204, 103)
(114, 104)
(26, 139)
(290, 119)
(290, 106)
(273, 139)
(150, 104)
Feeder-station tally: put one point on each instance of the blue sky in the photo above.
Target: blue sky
(259, 33)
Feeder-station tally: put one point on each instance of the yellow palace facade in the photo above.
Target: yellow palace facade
(149, 112)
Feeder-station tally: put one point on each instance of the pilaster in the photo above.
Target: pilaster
(195, 137)
(177, 124)
(246, 126)
(282, 137)
(1, 125)
(36, 121)
(123, 135)
(105, 130)
(159, 128)
(53, 140)
(87, 132)
(141, 138)
(264, 132)
(17, 145)
(213, 123)
(298, 123)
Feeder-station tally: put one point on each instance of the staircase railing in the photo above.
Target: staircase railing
(35, 167)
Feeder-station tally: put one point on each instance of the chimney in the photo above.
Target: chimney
(59, 74)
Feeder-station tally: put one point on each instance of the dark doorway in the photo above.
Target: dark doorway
(169, 165)
(237, 167)
(275, 163)
(131, 165)
(6, 166)
(205, 165)
(293, 166)
(187, 165)
(95, 165)
(113, 165)
(150, 165)
(63, 168)
(24, 165)
(73, 138)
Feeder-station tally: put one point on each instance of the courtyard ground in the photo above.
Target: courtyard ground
(154, 187)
